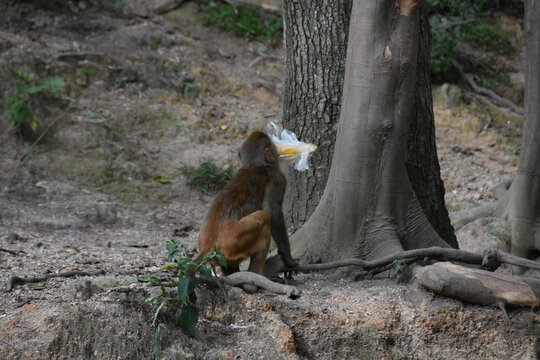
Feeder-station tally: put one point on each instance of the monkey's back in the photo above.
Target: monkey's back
(242, 196)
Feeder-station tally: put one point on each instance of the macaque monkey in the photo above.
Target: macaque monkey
(248, 211)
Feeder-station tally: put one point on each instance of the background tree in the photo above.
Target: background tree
(521, 204)
(380, 187)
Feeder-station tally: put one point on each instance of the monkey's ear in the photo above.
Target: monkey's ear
(268, 155)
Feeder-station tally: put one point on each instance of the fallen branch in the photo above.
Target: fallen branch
(463, 217)
(479, 286)
(80, 54)
(18, 280)
(264, 57)
(250, 278)
(9, 251)
(491, 259)
(166, 5)
(487, 92)
(485, 125)
(266, 7)
(242, 278)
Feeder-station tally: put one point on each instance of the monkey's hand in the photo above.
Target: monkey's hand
(289, 261)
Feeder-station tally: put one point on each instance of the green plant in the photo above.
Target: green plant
(502, 238)
(17, 107)
(399, 267)
(443, 52)
(465, 8)
(244, 20)
(485, 37)
(208, 176)
(184, 274)
(106, 124)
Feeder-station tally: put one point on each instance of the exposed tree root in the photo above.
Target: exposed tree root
(18, 280)
(487, 92)
(491, 259)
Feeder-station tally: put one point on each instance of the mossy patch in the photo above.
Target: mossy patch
(90, 168)
(154, 120)
(132, 192)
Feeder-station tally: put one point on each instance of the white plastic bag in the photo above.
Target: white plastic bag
(289, 147)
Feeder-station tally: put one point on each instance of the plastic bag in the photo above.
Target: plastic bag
(289, 147)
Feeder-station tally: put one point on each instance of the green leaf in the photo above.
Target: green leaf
(172, 248)
(110, 133)
(95, 115)
(159, 299)
(221, 259)
(158, 337)
(148, 278)
(206, 272)
(36, 287)
(86, 191)
(161, 179)
(188, 318)
(186, 286)
(167, 266)
(135, 245)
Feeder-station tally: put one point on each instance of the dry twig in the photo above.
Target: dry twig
(490, 93)
(18, 280)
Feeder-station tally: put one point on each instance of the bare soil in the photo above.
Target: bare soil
(171, 92)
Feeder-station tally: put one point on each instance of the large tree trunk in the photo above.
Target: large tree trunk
(369, 207)
(316, 45)
(524, 195)
(422, 161)
(315, 62)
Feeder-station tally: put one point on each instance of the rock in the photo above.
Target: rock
(162, 6)
(517, 80)
(448, 95)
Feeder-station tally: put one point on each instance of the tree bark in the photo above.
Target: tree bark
(316, 44)
(422, 161)
(369, 207)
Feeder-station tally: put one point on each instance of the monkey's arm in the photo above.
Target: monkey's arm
(280, 236)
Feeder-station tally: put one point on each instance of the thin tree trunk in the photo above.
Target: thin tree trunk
(316, 44)
(369, 208)
(524, 194)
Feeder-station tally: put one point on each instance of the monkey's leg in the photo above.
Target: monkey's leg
(260, 251)
(248, 237)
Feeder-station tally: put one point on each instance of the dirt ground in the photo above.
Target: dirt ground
(170, 92)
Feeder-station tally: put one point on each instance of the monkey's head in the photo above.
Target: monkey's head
(258, 150)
